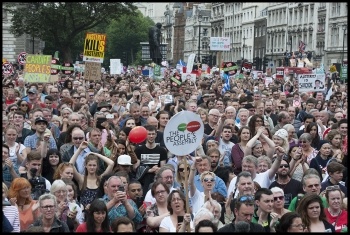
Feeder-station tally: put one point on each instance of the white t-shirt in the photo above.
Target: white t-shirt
(197, 201)
(261, 178)
(13, 155)
(168, 224)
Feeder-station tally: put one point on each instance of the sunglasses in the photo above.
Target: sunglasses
(183, 169)
(13, 109)
(76, 97)
(313, 185)
(278, 198)
(78, 138)
(303, 142)
(284, 165)
(331, 188)
(24, 105)
(209, 180)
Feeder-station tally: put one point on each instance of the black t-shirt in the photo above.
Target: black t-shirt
(207, 129)
(291, 190)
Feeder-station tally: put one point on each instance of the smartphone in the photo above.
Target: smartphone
(109, 116)
(121, 188)
(180, 219)
(139, 202)
(99, 122)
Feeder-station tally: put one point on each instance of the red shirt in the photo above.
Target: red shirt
(338, 221)
(83, 229)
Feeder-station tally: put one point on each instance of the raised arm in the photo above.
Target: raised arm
(271, 144)
(109, 162)
(250, 143)
(276, 164)
(192, 174)
(220, 126)
(77, 176)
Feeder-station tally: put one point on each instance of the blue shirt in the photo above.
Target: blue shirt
(120, 211)
(219, 187)
(32, 140)
(6, 173)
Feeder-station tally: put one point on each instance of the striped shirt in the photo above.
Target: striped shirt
(11, 213)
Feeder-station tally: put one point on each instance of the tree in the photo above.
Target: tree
(64, 23)
(125, 35)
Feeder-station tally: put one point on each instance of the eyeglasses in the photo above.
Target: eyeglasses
(303, 142)
(78, 138)
(278, 198)
(13, 109)
(281, 107)
(135, 189)
(246, 199)
(168, 177)
(209, 180)
(284, 165)
(313, 185)
(76, 97)
(188, 93)
(298, 225)
(91, 95)
(331, 188)
(47, 207)
(183, 169)
(176, 199)
(216, 116)
(252, 110)
(160, 192)
(24, 105)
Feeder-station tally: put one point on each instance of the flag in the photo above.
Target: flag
(302, 46)
(182, 63)
(329, 89)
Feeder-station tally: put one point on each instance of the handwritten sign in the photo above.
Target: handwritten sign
(311, 82)
(220, 43)
(188, 76)
(94, 47)
(92, 71)
(37, 68)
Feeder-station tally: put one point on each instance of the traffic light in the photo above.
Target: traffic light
(266, 62)
(124, 57)
(205, 60)
(255, 61)
(210, 62)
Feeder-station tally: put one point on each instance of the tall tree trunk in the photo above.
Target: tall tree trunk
(66, 55)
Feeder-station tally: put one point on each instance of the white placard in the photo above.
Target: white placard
(219, 43)
(188, 76)
(167, 98)
(311, 82)
(115, 66)
(183, 133)
(190, 63)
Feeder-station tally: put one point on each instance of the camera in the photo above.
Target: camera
(38, 184)
(121, 188)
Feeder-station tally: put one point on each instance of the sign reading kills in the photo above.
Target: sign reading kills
(94, 47)
(311, 82)
(37, 68)
(183, 133)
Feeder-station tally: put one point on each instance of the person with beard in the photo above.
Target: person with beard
(150, 149)
(225, 145)
(268, 112)
(291, 187)
(216, 160)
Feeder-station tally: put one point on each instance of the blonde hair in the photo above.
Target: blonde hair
(57, 185)
(207, 173)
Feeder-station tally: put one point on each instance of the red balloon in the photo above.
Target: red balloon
(138, 134)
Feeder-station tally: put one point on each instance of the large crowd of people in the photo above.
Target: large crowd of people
(272, 159)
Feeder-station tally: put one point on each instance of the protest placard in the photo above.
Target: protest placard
(92, 71)
(220, 43)
(37, 68)
(94, 47)
(167, 98)
(183, 133)
(116, 67)
(188, 76)
(311, 82)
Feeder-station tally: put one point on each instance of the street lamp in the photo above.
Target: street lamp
(243, 47)
(200, 17)
(344, 29)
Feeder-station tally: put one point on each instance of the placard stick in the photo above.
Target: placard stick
(187, 193)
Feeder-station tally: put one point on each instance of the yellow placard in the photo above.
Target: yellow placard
(94, 47)
(37, 68)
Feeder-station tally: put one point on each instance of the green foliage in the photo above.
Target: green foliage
(62, 25)
(125, 34)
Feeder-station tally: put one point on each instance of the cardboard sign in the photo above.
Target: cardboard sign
(183, 133)
(188, 76)
(94, 47)
(37, 68)
(311, 82)
(92, 71)
(167, 98)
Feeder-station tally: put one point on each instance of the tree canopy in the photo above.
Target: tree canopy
(64, 23)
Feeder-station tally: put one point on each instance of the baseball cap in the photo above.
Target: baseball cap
(40, 119)
(124, 160)
(32, 90)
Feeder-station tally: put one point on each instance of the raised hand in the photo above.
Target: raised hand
(83, 145)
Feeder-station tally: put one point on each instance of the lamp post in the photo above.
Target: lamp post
(199, 35)
(243, 47)
(344, 29)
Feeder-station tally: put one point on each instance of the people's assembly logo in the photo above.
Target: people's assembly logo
(22, 58)
(7, 68)
(183, 133)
